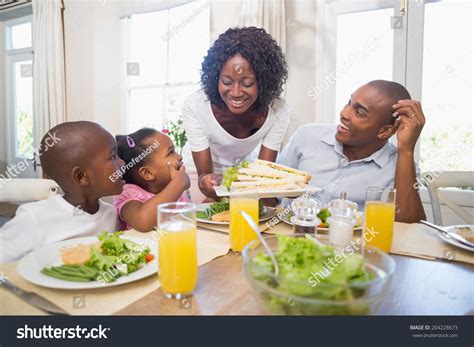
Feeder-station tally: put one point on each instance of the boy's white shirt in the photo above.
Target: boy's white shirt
(49, 221)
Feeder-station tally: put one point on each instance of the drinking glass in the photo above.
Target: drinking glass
(177, 249)
(240, 233)
(379, 217)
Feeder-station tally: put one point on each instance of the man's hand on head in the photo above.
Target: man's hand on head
(409, 123)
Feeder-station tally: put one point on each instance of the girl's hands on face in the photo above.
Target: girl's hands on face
(179, 174)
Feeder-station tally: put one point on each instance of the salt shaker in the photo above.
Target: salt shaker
(342, 221)
(305, 217)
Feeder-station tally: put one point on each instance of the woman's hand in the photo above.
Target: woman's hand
(207, 183)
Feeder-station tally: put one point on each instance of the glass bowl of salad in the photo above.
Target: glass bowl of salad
(317, 279)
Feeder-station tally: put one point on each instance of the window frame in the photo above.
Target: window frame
(327, 12)
(14, 22)
(408, 58)
(159, 86)
(13, 56)
(407, 49)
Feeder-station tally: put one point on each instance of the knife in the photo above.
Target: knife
(451, 235)
(32, 298)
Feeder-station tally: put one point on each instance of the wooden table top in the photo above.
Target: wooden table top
(419, 287)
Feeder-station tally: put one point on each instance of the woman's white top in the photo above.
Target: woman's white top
(204, 131)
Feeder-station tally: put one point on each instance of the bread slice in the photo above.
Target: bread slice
(269, 167)
(268, 184)
(223, 216)
(78, 255)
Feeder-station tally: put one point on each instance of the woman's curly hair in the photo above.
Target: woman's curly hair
(262, 52)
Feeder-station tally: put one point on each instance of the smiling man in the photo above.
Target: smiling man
(356, 154)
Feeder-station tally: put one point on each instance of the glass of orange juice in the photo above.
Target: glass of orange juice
(240, 233)
(177, 249)
(379, 217)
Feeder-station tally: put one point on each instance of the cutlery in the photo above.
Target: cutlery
(32, 298)
(255, 228)
(448, 234)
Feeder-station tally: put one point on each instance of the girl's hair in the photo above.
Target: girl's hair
(131, 146)
(262, 52)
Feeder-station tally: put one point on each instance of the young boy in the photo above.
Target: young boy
(81, 163)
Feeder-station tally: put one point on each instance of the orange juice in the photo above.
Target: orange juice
(177, 257)
(379, 218)
(240, 232)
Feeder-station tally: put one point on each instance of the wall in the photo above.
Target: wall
(93, 48)
(3, 126)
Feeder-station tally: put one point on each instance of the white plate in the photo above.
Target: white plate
(222, 191)
(49, 255)
(285, 219)
(271, 212)
(453, 241)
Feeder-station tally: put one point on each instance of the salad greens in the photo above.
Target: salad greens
(231, 173)
(221, 206)
(117, 257)
(299, 259)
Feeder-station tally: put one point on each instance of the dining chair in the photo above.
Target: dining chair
(27, 189)
(436, 180)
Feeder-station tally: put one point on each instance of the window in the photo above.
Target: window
(367, 40)
(164, 54)
(447, 139)
(19, 75)
(368, 48)
(20, 36)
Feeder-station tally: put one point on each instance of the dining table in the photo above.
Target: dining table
(431, 278)
(421, 285)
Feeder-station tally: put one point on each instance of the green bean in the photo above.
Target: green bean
(70, 272)
(82, 269)
(88, 270)
(55, 274)
(74, 271)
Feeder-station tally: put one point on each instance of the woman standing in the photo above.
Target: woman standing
(238, 114)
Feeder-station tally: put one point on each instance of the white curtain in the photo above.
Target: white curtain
(49, 89)
(267, 14)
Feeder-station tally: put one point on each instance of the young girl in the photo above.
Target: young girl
(154, 174)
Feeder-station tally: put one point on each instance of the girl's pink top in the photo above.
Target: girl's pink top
(133, 192)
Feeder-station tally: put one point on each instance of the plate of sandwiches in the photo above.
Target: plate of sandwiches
(218, 213)
(269, 179)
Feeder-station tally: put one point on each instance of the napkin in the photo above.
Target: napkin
(418, 239)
